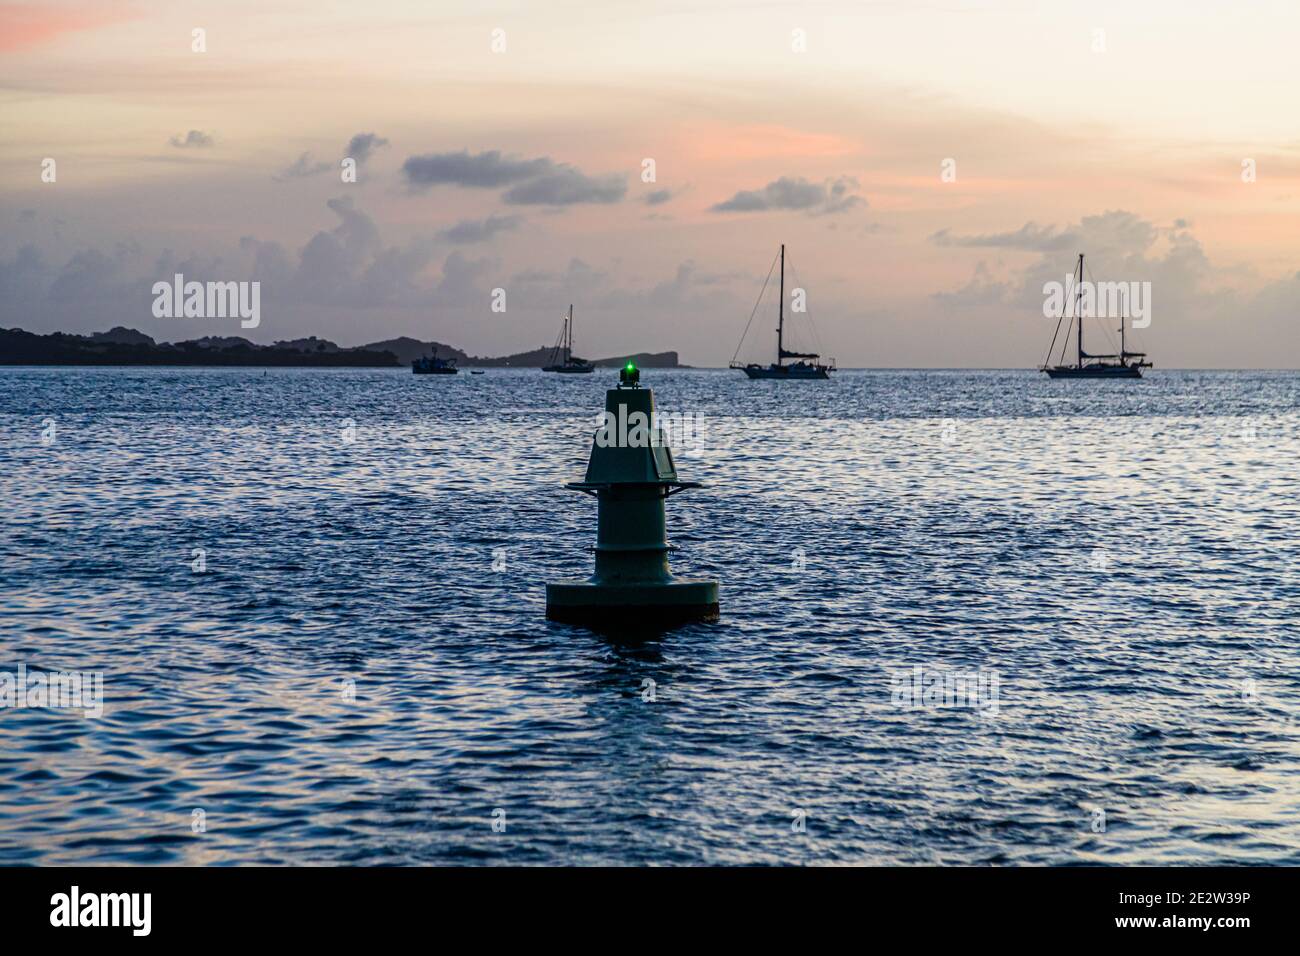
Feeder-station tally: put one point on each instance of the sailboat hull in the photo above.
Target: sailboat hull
(1094, 371)
(787, 372)
(570, 369)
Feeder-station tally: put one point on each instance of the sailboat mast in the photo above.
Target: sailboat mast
(780, 311)
(1122, 323)
(1078, 308)
(568, 352)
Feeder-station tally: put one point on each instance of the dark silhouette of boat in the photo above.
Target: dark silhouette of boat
(562, 358)
(806, 366)
(432, 365)
(1087, 364)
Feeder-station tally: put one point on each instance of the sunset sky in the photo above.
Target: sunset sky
(1115, 129)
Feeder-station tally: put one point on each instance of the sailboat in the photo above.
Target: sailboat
(1087, 364)
(425, 365)
(562, 357)
(806, 366)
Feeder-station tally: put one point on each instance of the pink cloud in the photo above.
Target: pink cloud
(755, 141)
(27, 25)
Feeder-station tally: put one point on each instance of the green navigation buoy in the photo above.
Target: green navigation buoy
(631, 473)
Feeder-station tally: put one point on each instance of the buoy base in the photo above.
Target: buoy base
(676, 602)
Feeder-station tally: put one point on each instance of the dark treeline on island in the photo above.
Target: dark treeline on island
(122, 346)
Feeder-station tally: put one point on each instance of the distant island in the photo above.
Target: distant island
(408, 350)
(122, 346)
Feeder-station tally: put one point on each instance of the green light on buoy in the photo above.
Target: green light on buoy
(629, 376)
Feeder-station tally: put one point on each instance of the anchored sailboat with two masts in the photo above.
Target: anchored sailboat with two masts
(805, 365)
(562, 358)
(1087, 364)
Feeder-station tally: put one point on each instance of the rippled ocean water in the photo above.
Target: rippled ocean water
(361, 671)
